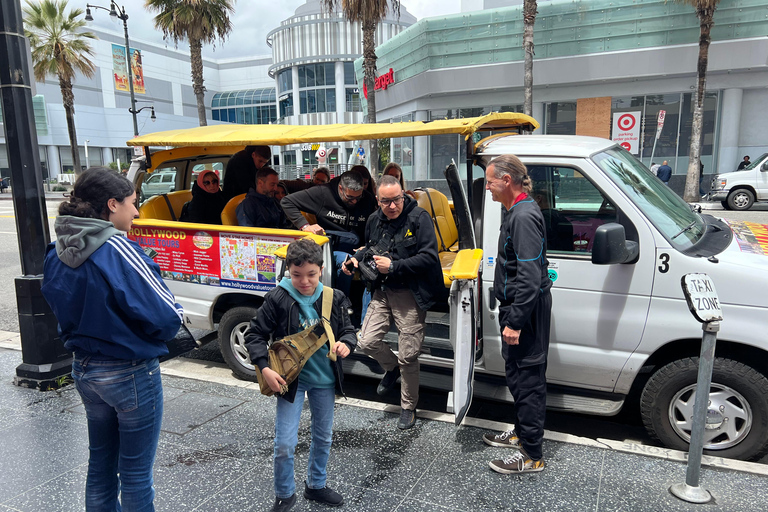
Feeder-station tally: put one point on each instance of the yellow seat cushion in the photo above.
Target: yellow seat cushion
(442, 215)
(157, 208)
(229, 213)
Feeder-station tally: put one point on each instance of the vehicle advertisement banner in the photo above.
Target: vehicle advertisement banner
(626, 130)
(234, 260)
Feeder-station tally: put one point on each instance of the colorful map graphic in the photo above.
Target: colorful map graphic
(238, 257)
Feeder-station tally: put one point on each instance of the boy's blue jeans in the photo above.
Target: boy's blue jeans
(321, 403)
(124, 406)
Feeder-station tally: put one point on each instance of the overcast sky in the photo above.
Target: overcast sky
(252, 21)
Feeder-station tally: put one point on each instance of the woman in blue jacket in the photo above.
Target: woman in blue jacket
(115, 314)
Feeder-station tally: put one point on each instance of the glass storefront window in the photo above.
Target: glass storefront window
(349, 73)
(286, 105)
(560, 118)
(353, 100)
(285, 80)
(666, 145)
(707, 134)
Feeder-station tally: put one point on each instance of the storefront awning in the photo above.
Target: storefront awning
(281, 134)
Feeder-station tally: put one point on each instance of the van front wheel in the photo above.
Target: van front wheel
(741, 199)
(232, 329)
(737, 411)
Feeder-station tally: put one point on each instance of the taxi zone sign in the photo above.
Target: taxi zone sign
(700, 293)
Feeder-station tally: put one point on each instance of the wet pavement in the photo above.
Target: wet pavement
(215, 454)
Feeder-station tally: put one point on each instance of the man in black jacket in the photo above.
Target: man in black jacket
(341, 210)
(259, 208)
(240, 174)
(409, 282)
(521, 285)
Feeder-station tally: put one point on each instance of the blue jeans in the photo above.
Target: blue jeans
(124, 406)
(321, 402)
(343, 281)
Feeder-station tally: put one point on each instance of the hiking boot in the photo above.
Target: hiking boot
(284, 504)
(407, 419)
(507, 439)
(388, 381)
(517, 464)
(326, 496)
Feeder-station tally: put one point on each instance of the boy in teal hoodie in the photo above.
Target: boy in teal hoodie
(291, 307)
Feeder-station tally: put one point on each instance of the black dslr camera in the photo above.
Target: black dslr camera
(367, 264)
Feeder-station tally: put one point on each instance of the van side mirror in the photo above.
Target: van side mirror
(610, 246)
(764, 167)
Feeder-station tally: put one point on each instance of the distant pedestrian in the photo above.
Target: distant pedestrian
(744, 163)
(655, 168)
(702, 192)
(664, 173)
(115, 314)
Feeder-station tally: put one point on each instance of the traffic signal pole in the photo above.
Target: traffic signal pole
(44, 357)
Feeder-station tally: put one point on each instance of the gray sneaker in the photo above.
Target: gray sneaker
(517, 464)
(507, 439)
(407, 419)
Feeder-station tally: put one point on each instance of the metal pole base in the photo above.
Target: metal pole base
(691, 494)
(44, 377)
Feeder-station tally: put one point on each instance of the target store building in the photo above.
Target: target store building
(619, 69)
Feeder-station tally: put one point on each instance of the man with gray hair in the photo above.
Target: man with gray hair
(521, 285)
(341, 211)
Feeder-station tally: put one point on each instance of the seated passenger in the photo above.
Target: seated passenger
(259, 208)
(207, 201)
(322, 176)
(558, 228)
(393, 169)
(281, 191)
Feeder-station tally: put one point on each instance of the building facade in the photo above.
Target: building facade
(631, 56)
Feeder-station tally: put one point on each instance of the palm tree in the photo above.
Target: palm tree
(199, 22)
(705, 11)
(60, 48)
(368, 13)
(529, 18)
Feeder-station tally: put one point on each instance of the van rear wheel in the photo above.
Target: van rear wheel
(232, 329)
(738, 408)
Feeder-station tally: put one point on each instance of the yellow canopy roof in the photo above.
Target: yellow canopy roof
(281, 134)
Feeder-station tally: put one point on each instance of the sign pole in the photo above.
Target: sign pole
(703, 302)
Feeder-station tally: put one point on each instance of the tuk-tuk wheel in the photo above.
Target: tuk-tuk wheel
(232, 328)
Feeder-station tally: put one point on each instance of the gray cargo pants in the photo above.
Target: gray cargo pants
(400, 305)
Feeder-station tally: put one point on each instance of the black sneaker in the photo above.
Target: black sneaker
(389, 380)
(284, 504)
(326, 496)
(407, 419)
(506, 439)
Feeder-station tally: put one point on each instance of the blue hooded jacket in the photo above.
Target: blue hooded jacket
(107, 295)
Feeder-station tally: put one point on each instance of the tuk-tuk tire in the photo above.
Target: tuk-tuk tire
(232, 344)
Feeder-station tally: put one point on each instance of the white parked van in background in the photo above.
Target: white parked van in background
(739, 190)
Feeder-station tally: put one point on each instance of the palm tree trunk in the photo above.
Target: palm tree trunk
(691, 192)
(196, 59)
(529, 18)
(68, 100)
(369, 73)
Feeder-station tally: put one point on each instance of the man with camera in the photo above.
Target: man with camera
(400, 265)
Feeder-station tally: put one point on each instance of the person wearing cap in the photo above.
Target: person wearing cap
(207, 200)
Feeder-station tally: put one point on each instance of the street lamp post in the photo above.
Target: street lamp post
(87, 160)
(119, 13)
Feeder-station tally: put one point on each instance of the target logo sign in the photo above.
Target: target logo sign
(626, 130)
(626, 122)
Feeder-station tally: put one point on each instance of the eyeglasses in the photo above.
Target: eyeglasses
(348, 198)
(211, 182)
(387, 202)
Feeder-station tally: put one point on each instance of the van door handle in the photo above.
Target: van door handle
(491, 299)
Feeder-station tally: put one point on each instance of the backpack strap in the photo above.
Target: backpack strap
(170, 208)
(326, 319)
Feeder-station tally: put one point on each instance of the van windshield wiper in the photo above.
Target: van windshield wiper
(685, 229)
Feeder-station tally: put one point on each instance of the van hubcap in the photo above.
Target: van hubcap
(729, 416)
(237, 342)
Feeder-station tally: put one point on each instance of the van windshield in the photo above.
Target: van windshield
(666, 210)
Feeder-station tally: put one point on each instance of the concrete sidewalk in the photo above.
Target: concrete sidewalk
(215, 454)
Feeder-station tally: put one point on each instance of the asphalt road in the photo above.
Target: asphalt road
(626, 426)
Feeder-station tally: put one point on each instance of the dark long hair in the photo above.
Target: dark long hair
(92, 190)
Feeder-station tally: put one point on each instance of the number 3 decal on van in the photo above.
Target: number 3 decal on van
(664, 260)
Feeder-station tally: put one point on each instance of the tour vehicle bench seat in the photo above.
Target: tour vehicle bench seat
(437, 205)
(156, 207)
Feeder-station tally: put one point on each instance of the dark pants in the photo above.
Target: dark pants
(526, 379)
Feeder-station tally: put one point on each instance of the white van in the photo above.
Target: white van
(739, 190)
(622, 335)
